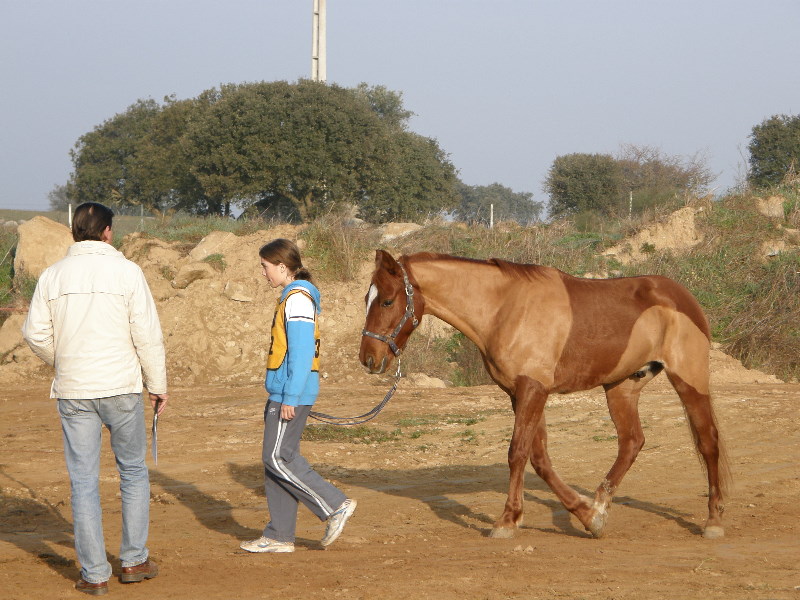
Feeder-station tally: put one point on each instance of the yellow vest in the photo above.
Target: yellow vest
(279, 344)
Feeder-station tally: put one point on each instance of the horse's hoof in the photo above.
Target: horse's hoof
(597, 525)
(501, 533)
(713, 532)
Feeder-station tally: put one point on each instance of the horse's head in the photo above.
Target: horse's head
(394, 308)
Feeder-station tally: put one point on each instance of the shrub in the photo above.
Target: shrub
(338, 248)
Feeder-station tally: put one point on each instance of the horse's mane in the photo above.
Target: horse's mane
(508, 268)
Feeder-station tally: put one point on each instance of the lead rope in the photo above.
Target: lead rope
(367, 416)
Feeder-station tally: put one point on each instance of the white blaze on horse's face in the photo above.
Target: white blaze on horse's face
(371, 295)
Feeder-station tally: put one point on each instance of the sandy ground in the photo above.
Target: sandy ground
(427, 499)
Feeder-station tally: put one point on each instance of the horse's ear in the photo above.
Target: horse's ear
(384, 260)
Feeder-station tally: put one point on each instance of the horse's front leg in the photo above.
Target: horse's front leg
(528, 402)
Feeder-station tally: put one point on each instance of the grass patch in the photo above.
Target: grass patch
(357, 434)
(418, 421)
(338, 249)
(192, 229)
(411, 428)
(468, 436)
(217, 261)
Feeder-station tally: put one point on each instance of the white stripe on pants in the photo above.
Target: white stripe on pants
(288, 477)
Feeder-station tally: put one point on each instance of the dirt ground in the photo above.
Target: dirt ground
(427, 499)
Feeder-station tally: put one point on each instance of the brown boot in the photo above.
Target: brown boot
(93, 589)
(147, 570)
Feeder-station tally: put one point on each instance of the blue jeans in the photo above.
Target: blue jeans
(82, 422)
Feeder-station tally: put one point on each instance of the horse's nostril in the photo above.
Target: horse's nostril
(369, 363)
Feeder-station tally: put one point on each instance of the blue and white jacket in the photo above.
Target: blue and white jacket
(293, 376)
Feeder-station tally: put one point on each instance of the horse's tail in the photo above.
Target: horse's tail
(723, 464)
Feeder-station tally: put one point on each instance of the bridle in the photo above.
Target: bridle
(387, 339)
(409, 314)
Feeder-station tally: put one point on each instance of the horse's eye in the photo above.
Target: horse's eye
(387, 303)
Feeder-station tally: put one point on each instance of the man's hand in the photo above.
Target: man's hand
(159, 402)
(287, 412)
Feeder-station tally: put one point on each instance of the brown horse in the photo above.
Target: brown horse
(542, 331)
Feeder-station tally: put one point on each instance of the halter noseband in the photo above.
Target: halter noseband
(389, 340)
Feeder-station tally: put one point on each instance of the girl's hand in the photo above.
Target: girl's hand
(287, 412)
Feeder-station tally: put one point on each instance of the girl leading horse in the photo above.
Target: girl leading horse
(541, 331)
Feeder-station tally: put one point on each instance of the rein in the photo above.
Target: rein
(367, 416)
(409, 314)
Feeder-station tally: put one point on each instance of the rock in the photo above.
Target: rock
(42, 242)
(145, 250)
(191, 272)
(216, 242)
(773, 248)
(771, 207)
(390, 231)
(158, 260)
(239, 291)
(11, 333)
(422, 380)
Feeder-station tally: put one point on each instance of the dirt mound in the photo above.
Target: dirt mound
(678, 232)
(726, 369)
(216, 312)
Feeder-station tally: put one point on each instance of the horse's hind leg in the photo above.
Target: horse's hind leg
(700, 414)
(623, 401)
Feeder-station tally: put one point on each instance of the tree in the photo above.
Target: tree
(288, 149)
(415, 183)
(104, 158)
(386, 103)
(162, 166)
(603, 185)
(583, 182)
(774, 150)
(476, 200)
(58, 199)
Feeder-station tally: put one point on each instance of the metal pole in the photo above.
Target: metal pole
(491, 216)
(318, 41)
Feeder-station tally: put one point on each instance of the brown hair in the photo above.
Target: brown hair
(285, 251)
(90, 221)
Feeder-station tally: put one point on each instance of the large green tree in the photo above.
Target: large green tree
(476, 202)
(583, 182)
(281, 148)
(774, 150)
(104, 159)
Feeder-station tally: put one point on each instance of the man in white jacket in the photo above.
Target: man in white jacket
(93, 318)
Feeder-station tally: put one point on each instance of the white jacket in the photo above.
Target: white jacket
(93, 318)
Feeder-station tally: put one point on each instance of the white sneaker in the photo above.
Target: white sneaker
(337, 521)
(265, 544)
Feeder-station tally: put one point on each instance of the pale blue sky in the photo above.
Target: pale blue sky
(506, 86)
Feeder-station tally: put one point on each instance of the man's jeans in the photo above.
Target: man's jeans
(82, 422)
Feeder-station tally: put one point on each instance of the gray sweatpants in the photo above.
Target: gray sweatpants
(288, 478)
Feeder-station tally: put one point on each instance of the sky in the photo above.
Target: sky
(505, 86)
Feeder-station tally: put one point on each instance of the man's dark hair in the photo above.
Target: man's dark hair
(90, 221)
